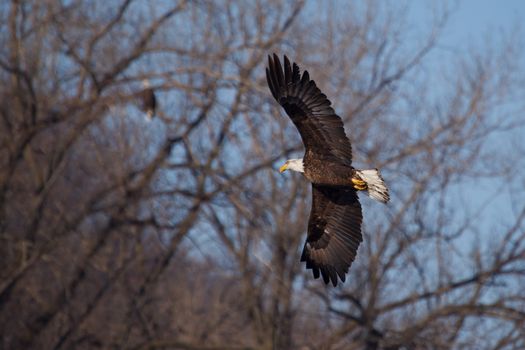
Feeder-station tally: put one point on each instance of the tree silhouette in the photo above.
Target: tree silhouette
(180, 233)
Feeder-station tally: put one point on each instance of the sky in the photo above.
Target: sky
(476, 16)
(471, 20)
(471, 17)
(470, 23)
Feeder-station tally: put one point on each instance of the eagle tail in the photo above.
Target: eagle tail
(375, 185)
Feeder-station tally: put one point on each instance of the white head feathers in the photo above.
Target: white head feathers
(293, 164)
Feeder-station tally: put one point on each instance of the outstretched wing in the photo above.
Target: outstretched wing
(334, 232)
(321, 129)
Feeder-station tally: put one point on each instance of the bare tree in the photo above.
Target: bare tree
(119, 232)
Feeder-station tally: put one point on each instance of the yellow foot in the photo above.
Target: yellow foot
(359, 184)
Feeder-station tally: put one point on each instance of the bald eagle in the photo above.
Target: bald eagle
(148, 100)
(334, 227)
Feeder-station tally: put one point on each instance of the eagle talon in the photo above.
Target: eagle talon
(359, 184)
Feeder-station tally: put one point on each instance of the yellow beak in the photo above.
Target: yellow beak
(283, 168)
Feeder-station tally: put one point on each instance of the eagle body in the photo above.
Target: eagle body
(334, 226)
(325, 172)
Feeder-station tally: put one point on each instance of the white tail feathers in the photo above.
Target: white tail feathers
(375, 183)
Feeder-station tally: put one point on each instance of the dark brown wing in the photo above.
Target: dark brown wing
(334, 232)
(321, 129)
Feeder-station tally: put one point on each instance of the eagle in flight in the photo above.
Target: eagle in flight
(334, 227)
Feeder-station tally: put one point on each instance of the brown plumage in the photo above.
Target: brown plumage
(334, 227)
(148, 100)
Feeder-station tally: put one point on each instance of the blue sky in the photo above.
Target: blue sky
(478, 16)
(471, 22)
(470, 17)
